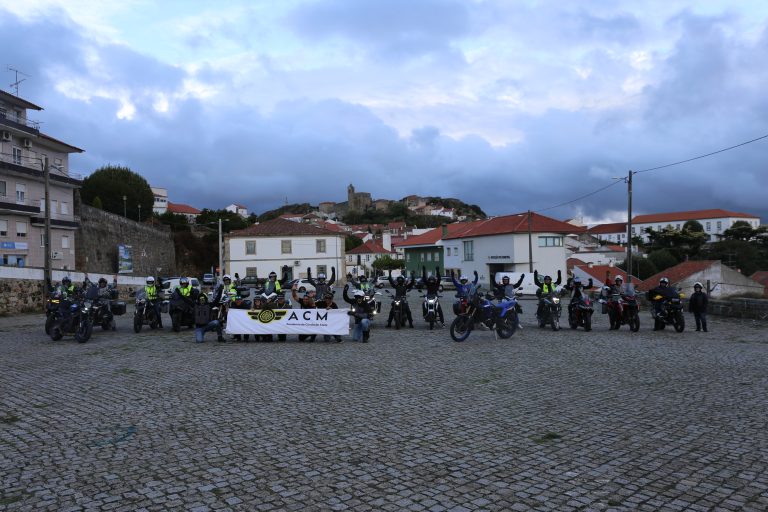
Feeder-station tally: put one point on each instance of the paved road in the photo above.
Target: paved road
(411, 421)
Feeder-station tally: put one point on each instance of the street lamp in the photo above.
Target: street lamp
(125, 209)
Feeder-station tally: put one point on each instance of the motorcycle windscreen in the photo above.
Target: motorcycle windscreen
(92, 293)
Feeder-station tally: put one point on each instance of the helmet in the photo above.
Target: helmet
(66, 280)
(321, 275)
(576, 280)
(431, 279)
(697, 284)
(619, 278)
(150, 280)
(226, 277)
(183, 281)
(202, 299)
(273, 274)
(400, 279)
(505, 278)
(664, 280)
(363, 279)
(328, 295)
(102, 281)
(358, 294)
(463, 278)
(547, 278)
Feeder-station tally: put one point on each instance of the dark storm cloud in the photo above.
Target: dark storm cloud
(710, 95)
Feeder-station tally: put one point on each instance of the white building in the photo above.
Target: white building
(238, 209)
(161, 200)
(722, 280)
(714, 221)
(615, 232)
(271, 245)
(190, 212)
(360, 259)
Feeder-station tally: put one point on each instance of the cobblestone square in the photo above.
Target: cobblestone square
(412, 421)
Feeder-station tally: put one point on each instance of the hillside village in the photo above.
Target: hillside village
(416, 232)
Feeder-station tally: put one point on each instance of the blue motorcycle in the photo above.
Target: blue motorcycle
(501, 317)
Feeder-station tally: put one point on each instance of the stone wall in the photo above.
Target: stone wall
(740, 308)
(101, 232)
(26, 295)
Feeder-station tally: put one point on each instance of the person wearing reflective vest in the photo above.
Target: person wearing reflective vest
(150, 290)
(546, 287)
(273, 285)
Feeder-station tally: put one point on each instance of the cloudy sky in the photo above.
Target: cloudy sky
(513, 105)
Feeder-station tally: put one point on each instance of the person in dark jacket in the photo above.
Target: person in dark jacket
(545, 287)
(664, 292)
(321, 285)
(401, 287)
(326, 302)
(506, 289)
(576, 288)
(205, 319)
(698, 306)
(432, 289)
(305, 302)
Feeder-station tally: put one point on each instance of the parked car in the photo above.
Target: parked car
(420, 284)
(382, 281)
(303, 285)
(170, 284)
(446, 283)
(208, 279)
(252, 281)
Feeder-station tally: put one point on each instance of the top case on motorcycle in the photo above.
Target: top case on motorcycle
(117, 307)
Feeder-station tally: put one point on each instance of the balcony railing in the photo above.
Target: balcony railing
(25, 125)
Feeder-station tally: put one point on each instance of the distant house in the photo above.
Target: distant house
(160, 205)
(615, 232)
(714, 221)
(723, 280)
(360, 259)
(600, 274)
(190, 212)
(293, 217)
(238, 209)
(601, 255)
(439, 211)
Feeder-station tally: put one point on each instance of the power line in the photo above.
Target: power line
(578, 198)
(702, 156)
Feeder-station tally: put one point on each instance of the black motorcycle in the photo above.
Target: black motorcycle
(550, 311)
(182, 310)
(671, 313)
(144, 312)
(73, 318)
(399, 303)
(52, 305)
(429, 309)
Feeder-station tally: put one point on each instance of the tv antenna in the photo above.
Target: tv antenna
(15, 84)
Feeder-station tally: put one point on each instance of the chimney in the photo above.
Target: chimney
(386, 241)
(444, 228)
(590, 264)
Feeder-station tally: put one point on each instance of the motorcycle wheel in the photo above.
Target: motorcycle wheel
(176, 322)
(588, 322)
(137, 323)
(461, 327)
(431, 324)
(611, 320)
(679, 322)
(48, 325)
(398, 320)
(507, 326)
(658, 325)
(554, 323)
(84, 331)
(634, 323)
(56, 333)
(572, 321)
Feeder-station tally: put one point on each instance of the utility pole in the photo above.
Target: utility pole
(47, 271)
(530, 241)
(629, 227)
(221, 256)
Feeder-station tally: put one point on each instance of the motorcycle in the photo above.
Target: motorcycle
(144, 312)
(182, 311)
(73, 318)
(671, 313)
(551, 309)
(623, 309)
(429, 309)
(399, 303)
(52, 304)
(501, 317)
(580, 313)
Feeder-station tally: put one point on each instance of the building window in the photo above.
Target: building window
(21, 229)
(320, 246)
(678, 226)
(633, 230)
(285, 246)
(421, 256)
(3, 228)
(719, 226)
(322, 269)
(54, 206)
(429, 256)
(64, 208)
(2, 189)
(42, 206)
(17, 156)
(65, 242)
(21, 193)
(448, 251)
(469, 251)
(550, 241)
(367, 257)
(251, 272)
(708, 227)
(250, 247)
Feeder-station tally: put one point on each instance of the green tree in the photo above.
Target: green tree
(230, 221)
(111, 183)
(745, 256)
(351, 241)
(681, 243)
(176, 221)
(741, 230)
(642, 268)
(97, 203)
(662, 259)
(387, 262)
(693, 225)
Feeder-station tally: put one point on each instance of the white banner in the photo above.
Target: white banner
(288, 321)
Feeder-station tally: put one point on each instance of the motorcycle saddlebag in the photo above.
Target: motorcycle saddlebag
(117, 307)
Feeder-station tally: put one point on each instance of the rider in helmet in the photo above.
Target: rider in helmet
(463, 289)
(506, 288)
(273, 285)
(546, 287)
(362, 312)
(663, 291)
(576, 287)
(66, 288)
(698, 306)
(320, 284)
(401, 287)
(153, 298)
(326, 302)
(432, 286)
(617, 286)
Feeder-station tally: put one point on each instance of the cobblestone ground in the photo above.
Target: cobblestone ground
(411, 421)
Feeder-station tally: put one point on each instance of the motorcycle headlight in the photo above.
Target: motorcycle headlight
(556, 300)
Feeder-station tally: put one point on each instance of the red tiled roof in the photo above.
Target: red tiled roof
(370, 247)
(601, 273)
(516, 223)
(608, 229)
(677, 273)
(432, 236)
(330, 226)
(182, 208)
(396, 225)
(282, 227)
(761, 276)
(572, 262)
(615, 248)
(692, 215)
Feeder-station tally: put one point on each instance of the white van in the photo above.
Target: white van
(171, 283)
(528, 287)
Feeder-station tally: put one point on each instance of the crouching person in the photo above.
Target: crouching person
(361, 312)
(205, 320)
